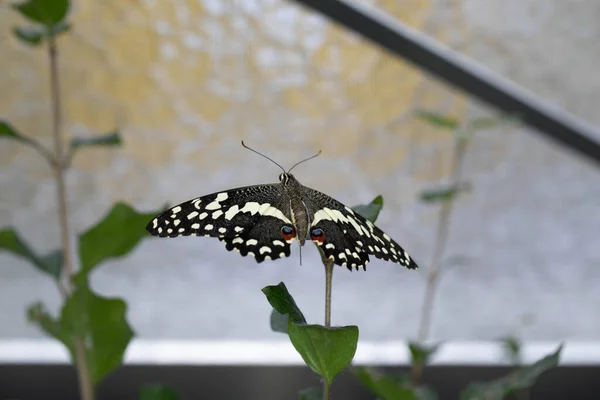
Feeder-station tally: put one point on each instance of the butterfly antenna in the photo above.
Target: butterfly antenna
(306, 159)
(261, 154)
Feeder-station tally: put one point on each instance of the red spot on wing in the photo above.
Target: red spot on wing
(317, 235)
(288, 233)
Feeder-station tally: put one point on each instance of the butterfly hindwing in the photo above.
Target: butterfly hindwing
(358, 232)
(341, 247)
(263, 240)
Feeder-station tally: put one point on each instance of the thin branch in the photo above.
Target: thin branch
(47, 154)
(86, 388)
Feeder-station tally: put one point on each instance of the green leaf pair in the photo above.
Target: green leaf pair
(327, 351)
(98, 321)
(107, 139)
(443, 194)
(452, 124)
(48, 14)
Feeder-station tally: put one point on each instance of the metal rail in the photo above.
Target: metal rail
(463, 73)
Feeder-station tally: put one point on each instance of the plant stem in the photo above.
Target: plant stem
(328, 283)
(86, 389)
(328, 280)
(433, 275)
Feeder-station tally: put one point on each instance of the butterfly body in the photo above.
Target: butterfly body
(263, 221)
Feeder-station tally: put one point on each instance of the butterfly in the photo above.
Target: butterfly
(263, 221)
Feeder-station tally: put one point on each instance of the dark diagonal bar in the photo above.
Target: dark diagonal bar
(463, 73)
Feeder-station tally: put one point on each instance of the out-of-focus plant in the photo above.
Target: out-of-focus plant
(93, 328)
(445, 196)
(410, 387)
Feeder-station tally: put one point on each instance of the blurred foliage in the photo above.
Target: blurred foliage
(370, 211)
(522, 378)
(157, 392)
(310, 394)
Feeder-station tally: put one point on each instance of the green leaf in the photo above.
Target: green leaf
(310, 394)
(102, 325)
(279, 322)
(34, 36)
(421, 353)
(443, 194)
(383, 386)
(157, 392)
(327, 351)
(370, 211)
(520, 379)
(37, 314)
(438, 120)
(114, 236)
(45, 12)
(50, 264)
(282, 301)
(108, 139)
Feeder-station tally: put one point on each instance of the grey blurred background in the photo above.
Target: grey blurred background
(186, 81)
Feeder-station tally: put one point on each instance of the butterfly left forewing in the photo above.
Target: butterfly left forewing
(243, 218)
(359, 234)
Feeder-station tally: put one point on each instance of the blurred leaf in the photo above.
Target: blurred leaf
(382, 385)
(108, 139)
(279, 322)
(31, 36)
(310, 394)
(370, 211)
(425, 393)
(37, 314)
(50, 264)
(34, 36)
(282, 301)
(458, 260)
(327, 351)
(443, 194)
(438, 120)
(114, 236)
(421, 353)
(512, 347)
(7, 130)
(483, 123)
(157, 392)
(520, 379)
(101, 324)
(45, 12)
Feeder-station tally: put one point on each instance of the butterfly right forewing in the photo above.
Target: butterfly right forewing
(357, 236)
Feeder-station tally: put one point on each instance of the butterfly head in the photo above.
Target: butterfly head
(287, 178)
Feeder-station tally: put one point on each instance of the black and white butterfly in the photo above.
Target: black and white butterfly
(263, 220)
